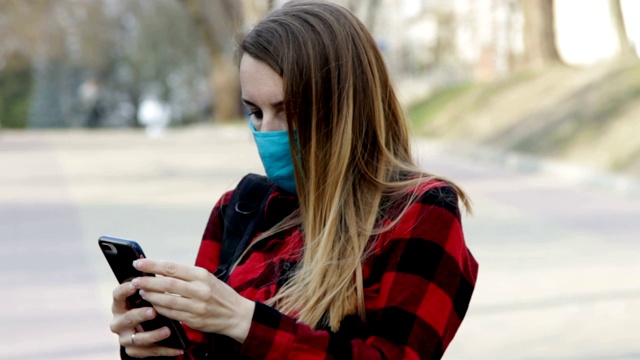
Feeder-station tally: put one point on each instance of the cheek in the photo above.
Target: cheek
(281, 120)
(257, 124)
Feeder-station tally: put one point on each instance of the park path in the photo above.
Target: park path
(558, 262)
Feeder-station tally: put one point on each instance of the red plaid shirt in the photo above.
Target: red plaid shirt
(418, 283)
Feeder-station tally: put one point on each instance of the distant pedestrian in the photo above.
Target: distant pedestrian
(90, 95)
(357, 252)
(155, 116)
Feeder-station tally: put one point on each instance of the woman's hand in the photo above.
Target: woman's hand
(126, 322)
(195, 297)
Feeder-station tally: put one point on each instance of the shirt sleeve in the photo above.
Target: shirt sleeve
(424, 277)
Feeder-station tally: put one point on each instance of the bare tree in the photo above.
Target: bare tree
(254, 11)
(372, 14)
(626, 48)
(218, 22)
(539, 33)
(58, 42)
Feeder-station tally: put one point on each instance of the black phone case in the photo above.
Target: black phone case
(121, 263)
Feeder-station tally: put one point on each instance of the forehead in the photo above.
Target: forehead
(259, 82)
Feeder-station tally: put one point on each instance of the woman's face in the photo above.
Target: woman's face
(262, 93)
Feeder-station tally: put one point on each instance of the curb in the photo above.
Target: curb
(523, 163)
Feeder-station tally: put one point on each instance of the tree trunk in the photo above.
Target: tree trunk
(626, 49)
(372, 14)
(539, 33)
(218, 21)
(223, 78)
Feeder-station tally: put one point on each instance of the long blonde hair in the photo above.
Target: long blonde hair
(352, 154)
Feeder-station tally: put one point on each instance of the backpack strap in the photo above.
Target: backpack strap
(242, 213)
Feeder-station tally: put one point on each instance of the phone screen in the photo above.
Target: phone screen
(120, 254)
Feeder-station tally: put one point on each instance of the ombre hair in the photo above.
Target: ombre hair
(352, 154)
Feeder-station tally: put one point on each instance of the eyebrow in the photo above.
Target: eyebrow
(275, 105)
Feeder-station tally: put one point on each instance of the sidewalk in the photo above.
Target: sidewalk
(558, 261)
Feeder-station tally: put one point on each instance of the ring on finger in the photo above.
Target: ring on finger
(133, 339)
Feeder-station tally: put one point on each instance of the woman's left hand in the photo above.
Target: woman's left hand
(195, 297)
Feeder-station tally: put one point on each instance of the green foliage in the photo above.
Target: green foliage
(487, 91)
(583, 116)
(421, 113)
(558, 112)
(461, 99)
(627, 162)
(15, 96)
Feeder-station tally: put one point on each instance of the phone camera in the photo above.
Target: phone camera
(108, 249)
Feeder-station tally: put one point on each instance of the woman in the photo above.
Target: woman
(363, 255)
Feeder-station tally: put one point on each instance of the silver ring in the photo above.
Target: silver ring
(133, 339)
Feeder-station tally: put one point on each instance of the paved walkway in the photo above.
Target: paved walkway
(559, 263)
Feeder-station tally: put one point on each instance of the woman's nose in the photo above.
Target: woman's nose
(273, 123)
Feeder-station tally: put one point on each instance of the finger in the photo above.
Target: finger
(144, 338)
(169, 268)
(165, 284)
(120, 294)
(179, 315)
(169, 301)
(131, 319)
(142, 352)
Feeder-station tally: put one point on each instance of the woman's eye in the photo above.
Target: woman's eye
(256, 113)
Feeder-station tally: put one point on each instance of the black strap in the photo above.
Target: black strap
(241, 216)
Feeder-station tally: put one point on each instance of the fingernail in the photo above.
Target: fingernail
(135, 263)
(135, 282)
(131, 286)
(150, 313)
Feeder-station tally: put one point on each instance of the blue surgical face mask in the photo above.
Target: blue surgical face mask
(273, 147)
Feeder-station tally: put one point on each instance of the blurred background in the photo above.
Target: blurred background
(461, 67)
(123, 118)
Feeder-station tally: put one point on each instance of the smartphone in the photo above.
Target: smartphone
(120, 254)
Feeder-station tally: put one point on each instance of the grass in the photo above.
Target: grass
(491, 89)
(587, 110)
(424, 111)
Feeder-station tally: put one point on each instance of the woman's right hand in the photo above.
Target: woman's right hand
(126, 322)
